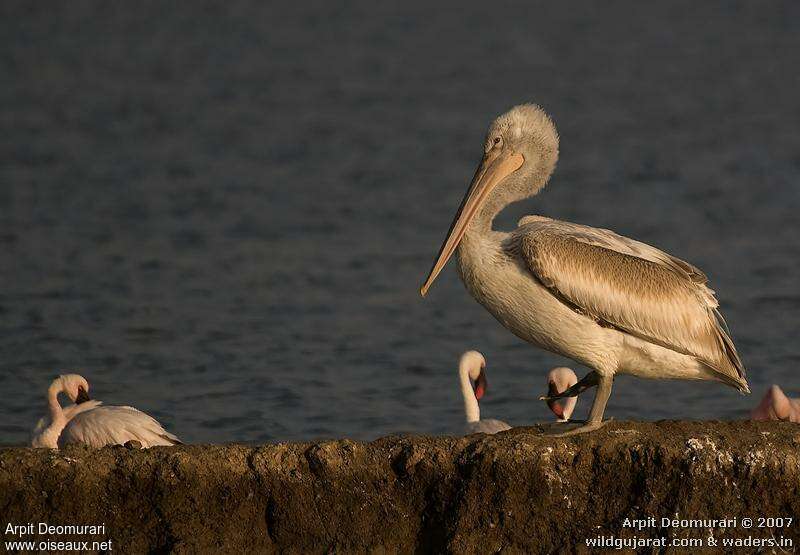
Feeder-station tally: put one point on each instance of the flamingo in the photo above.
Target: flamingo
(777, 406)
(558, 381)
(472, 376)
(91, 423)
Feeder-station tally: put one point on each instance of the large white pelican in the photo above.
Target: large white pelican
(611, 303)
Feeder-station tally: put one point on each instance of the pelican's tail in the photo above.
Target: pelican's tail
(730, 367)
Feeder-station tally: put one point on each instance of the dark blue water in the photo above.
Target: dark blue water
(223, 216)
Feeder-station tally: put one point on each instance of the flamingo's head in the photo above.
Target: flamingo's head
(474, 364)
(559, 380)
(76, 387)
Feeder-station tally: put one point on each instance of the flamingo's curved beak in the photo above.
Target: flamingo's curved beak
(495, 166)
(557, 409)
(82, 397)
(554, 404)
(480, 385)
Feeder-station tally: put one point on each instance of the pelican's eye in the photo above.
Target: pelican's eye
(498, 141)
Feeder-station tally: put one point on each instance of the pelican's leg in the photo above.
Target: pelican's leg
(595, 421)
(589, 380)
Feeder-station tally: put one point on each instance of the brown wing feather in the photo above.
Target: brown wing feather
(648, 293)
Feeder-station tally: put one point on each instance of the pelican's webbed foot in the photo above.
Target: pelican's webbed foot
(588, 427)
(595, 421)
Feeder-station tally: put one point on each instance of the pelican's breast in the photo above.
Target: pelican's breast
(500, 281)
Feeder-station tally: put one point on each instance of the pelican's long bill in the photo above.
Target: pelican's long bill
(495, 166)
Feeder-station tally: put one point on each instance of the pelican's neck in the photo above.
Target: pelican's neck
(483, 221)
(479, 245)
(471, 409)
(517, 187)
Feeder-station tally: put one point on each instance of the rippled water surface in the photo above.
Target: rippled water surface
(223, 217)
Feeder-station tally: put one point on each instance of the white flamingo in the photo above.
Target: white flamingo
(472, 375)
(49, 428)
(558, 381)
(95, 425)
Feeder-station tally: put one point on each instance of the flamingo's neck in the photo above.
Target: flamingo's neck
(58, 421)
(471, 409)
(56, 412)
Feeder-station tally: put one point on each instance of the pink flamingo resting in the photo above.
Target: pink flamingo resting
(777, 406)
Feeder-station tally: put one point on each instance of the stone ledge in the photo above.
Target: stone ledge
(514, 491)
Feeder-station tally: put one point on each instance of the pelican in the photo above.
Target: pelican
(471, 370)
(777, 406)
(559, 380)
(613, 304)
(94, 425)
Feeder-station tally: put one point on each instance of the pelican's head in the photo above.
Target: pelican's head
(472, 365)
(559, 380)
(75, 386)
(519, 154)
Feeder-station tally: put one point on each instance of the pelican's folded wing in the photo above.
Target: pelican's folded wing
(633, 287)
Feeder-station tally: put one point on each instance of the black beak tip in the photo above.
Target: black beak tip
(82, 397)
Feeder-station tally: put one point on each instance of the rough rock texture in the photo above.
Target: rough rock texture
(515, 491)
